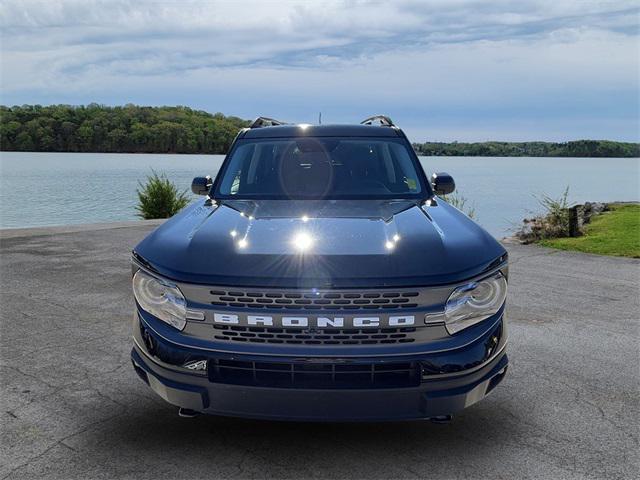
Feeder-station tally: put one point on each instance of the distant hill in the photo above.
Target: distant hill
(127, 129)
(136, 129)
(578, 148)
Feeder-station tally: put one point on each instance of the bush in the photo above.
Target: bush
(556, 218)
(553, 223)
(159, 197)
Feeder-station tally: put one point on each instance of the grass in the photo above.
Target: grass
(616, 232)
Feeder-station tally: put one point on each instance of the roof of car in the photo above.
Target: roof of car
(305, 130)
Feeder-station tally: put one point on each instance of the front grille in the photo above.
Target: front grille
(314, 337)
(314, 300)
(314, 375)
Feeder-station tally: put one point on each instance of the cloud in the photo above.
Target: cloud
(446, 66)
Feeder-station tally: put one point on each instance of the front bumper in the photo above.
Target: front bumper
(475, 371)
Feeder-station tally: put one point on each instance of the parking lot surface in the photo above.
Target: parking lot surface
(72, 407)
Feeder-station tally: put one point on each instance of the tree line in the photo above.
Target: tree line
(578, 148)
(136, 129)
(127, 129)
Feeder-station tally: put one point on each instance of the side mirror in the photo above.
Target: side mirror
(201, 185)
(442, 183)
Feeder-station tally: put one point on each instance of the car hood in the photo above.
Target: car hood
(328, 244)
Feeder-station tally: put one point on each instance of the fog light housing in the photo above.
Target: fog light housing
(196, 365)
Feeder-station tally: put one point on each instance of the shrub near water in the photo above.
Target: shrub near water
(159, 198)
(556, 219)
(553, 223)
(460, 203)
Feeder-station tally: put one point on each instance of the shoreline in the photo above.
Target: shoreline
(514, 239)
(7, 233)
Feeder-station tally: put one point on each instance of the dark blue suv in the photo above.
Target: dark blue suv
(322, 277)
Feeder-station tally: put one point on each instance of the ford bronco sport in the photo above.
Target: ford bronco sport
(321, 277)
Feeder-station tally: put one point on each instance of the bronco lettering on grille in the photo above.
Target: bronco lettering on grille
(316, 322)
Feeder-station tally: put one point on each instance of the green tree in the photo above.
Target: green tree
(579, 148)
(131, 128)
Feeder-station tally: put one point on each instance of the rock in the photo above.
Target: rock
(590, 209)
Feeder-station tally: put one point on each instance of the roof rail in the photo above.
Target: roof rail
(382, 119)
(266, 122)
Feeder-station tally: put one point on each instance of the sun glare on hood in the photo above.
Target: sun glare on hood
(302, 241)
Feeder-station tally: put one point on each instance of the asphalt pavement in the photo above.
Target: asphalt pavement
(72, 407)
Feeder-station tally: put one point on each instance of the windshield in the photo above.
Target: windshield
(320, 167)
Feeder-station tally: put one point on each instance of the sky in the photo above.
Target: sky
(444, 70)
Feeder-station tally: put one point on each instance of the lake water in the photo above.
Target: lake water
(38, 189)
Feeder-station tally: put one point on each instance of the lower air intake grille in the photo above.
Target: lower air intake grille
(314, 375)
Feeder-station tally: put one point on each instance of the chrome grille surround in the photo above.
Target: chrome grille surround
(347, 304)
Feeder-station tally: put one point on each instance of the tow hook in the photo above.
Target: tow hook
(441, 419)
(187, 413)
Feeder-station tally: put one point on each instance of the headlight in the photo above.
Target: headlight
(161, 299)
(474, 302)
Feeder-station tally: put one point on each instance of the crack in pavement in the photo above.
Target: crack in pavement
(60, 442)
